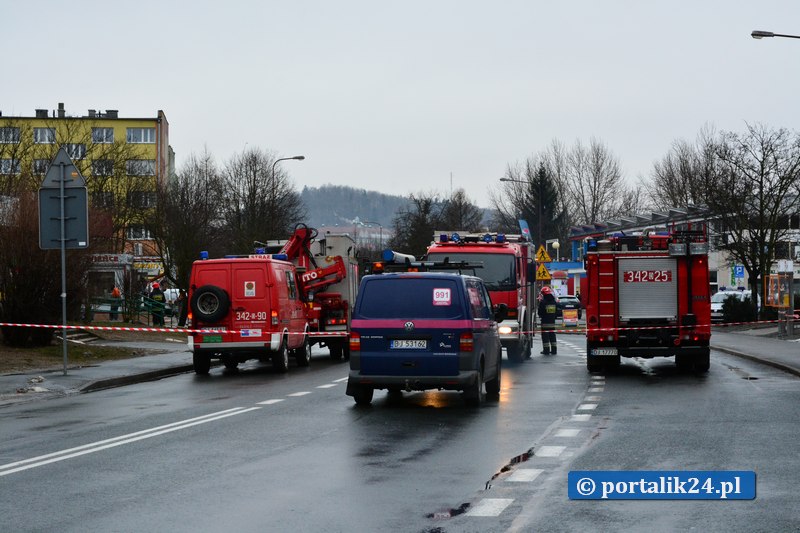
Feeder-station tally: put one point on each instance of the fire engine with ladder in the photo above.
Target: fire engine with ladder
(648, 296)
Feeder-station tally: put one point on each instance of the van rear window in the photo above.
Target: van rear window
(410, 298)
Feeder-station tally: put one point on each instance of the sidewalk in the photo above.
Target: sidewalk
(177, 359)
(24, 387)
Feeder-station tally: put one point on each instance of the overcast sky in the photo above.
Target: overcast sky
(398, 97)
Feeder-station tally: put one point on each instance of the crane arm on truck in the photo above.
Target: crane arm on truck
(297, 248)
(319, 278)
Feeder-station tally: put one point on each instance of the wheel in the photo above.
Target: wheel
(335, 348)
(593, 364)
(201, 363)
(303, 354)
(474, 393)
(363, 396)
(210, 303)
(516, 351)
(493, 385)
(703, 362)
(280, 359)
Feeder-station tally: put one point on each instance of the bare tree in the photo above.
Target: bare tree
(459, 213)
(752, 193)
(594, 183)
(414, 225)
(260, 201)
(188, 217)
(681, 177)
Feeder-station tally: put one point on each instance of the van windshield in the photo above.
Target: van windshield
(720, 297)
(498, 272)
(410, 298)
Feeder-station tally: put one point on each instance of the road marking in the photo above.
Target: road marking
(85, 449)
(567, 432)
(270, 402)
(549, 451)
(340, 380)
(596, 389)
(302, 393)
(593, 398)
(327, 386)
(587, 407)
(490, 507)
(524, 475)
(581, 418)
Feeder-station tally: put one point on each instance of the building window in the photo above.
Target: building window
(75, 150)
(102, 167)
(103, 135)
(9, 135)
(9, 166)
(142, 199)
(103, 200)
(142, 135)
(141, 167)
(44, 135)
(137, 232)
(40, 166)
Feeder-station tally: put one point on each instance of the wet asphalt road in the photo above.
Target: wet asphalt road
(258, 451)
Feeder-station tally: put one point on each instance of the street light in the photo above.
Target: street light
(555, 244)
(758, 34)
(297, 157)
(380, 229)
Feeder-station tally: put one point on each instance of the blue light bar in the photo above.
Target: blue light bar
(280, 257)
(500, 238)
(204, 255)
(455, 237)
(443, 237)
(487, 238)
(261, 250)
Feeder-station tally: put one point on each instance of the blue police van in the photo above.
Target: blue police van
(414, 331)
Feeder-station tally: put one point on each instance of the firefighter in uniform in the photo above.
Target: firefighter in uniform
(547, 314)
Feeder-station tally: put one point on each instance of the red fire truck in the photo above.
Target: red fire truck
(648, 296)
(508, 275)
(268, 305)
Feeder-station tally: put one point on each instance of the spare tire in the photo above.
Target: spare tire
(210, 303)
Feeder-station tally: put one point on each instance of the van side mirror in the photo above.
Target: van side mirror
(500, 312)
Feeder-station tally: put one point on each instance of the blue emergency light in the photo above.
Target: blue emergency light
(443, 237)
(500, 238)
(487, 238)
(280, 257)
(204, 255)
(455, 237)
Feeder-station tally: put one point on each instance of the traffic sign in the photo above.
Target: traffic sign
(541, 255)
(63, 196)
(738, 271)
(542, 274)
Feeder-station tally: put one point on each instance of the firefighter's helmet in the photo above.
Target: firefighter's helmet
(156, 285)
(547, 290)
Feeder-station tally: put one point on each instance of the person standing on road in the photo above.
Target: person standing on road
(547, 315)
(182, 304)
(159, 303)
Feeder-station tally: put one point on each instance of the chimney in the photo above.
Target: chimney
(111, 113)
(61, 112)
(41, 113)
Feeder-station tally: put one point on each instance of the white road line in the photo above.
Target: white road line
(119, 441)
(301, 393)
(593, 398)
(549, 451)
(328, 386)
(581, 418)
(587, 407)
(270, 402)
(524, 475)
(567, 432)
(340, 380)
(596, 389)
(490, 507)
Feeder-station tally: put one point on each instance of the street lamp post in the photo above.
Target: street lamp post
(272, 175)
(758, 34)
(380, 230)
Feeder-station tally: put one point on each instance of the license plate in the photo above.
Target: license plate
(212, 338)
(408, 344)
(604, 351)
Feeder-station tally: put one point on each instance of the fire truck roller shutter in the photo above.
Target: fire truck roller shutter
(210, 303)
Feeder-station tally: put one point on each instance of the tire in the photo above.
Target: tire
(516, 351)
(473, 395)
(703, 362)
(592, 363)
(201, 363)
(363, 395)
(210, 303)
(493, 385)
(335, 349)
(303, 354)
(280, 359)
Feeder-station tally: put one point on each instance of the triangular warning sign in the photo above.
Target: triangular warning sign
(542, 274)
(541, 255)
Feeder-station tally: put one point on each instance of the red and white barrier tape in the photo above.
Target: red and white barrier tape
(158, 330)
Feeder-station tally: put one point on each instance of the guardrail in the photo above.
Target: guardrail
(139, 309)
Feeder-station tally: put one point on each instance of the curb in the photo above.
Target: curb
(769, 362)
(121, 381)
